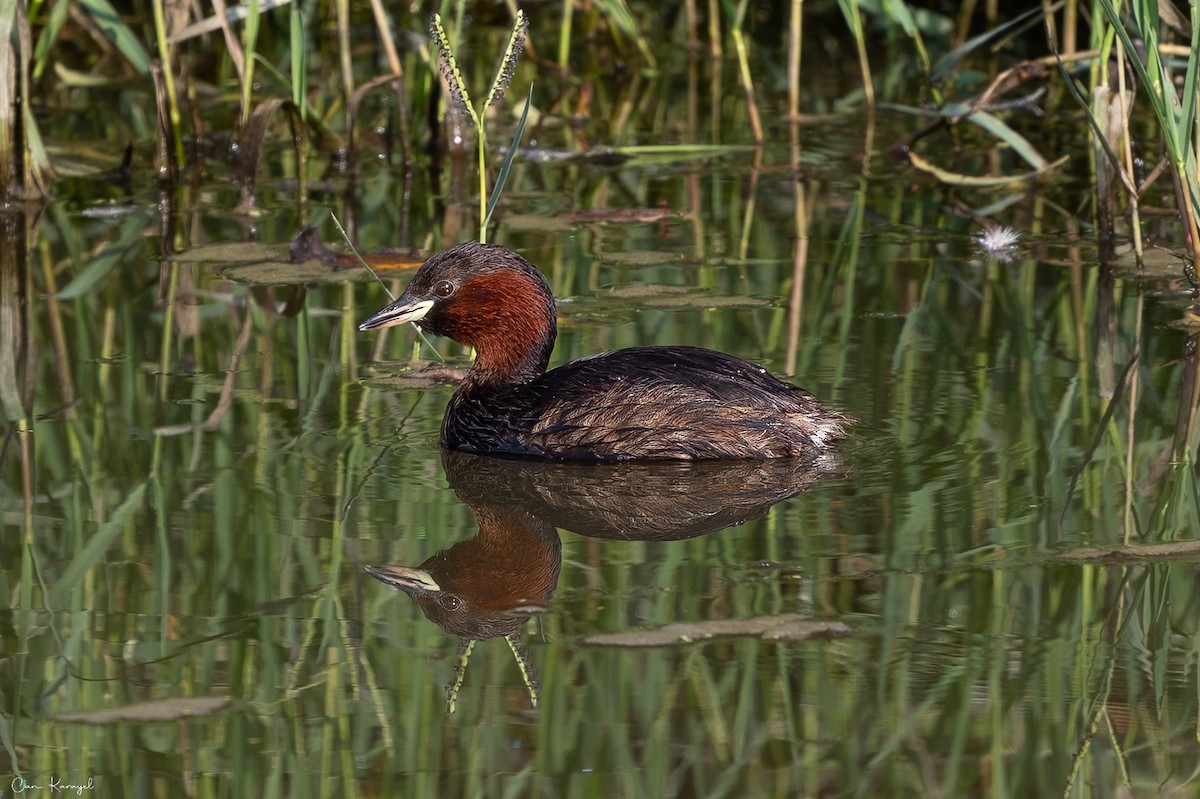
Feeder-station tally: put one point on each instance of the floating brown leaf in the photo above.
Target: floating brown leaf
(785, 627)
(155, 710)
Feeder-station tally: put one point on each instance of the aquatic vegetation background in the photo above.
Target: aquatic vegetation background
(201, 453)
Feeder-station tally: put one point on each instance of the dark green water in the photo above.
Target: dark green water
(1000, 574)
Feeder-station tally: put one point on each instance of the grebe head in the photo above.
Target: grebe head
(488, 585)
(487, 297)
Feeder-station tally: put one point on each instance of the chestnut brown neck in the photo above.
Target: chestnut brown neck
(513, 561)
(509, 318)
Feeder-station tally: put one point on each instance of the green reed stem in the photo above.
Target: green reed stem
(564, 35)
(299, 63)
(854, 19)
(249, 40)
(168, 76)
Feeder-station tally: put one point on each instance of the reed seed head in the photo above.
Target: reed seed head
(448, 66)
(508, 68)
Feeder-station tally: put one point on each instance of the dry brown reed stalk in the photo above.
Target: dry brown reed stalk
(166, 164)
(24, 166)
(232, 45)
(253, 139)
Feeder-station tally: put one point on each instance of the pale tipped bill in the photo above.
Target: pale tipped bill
(404, 578)
(397, 313)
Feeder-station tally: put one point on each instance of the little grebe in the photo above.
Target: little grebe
(638, 403)
(489, 585)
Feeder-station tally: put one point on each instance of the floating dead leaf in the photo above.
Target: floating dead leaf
(1156, 264)
(650, 295)
(1134, 553)
(785, 627)
(622, 215)
(258, 264)
(308, 246)
(305, 260)
(538, 223)
(228, 253)
(553, 223)
(415, 377)
(640, 290)
(282, 273)
(644, 258)
(705, 301)
(156, 710)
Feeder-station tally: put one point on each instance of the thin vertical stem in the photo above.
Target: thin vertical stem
(795, 22)
(344, 52)
(168, 78)
(564, 34)
(1127, 149)
(250, 38)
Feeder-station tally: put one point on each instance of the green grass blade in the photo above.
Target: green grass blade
(1004, 133)
(130, 45)
(508, 159)
(901, 13)
(299, 56)
(35, 148)
(102, 264)
(618, 14)
(981, 119)
(1187, 114)
(948, 62)
(249, 42)
(93, 551)
(49, 35)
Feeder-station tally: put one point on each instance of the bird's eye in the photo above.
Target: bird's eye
(444, 289)
(451, 602)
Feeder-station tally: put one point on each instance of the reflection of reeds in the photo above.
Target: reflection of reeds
(229, 574)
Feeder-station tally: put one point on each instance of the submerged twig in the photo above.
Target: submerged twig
(225, 402)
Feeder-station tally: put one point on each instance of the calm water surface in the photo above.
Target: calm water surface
(992, 593)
